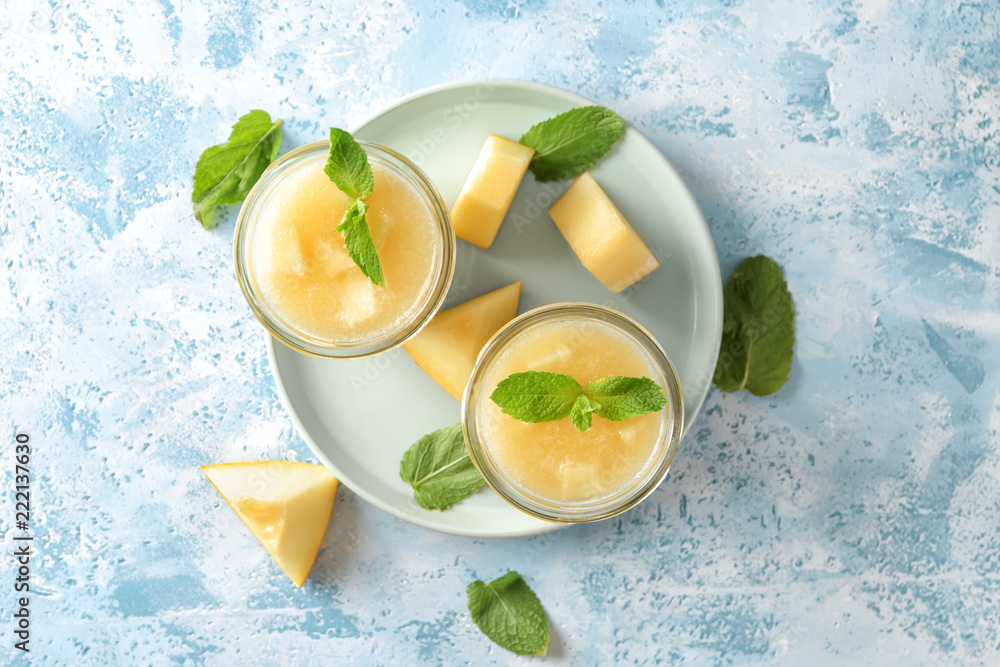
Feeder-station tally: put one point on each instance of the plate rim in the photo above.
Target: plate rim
(535, 87)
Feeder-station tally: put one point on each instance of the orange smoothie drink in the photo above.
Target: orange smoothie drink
(551, 469)
(298, 276)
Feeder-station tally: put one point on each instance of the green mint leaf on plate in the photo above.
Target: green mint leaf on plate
(509, 613)
(439, 469)
(226, 172)
(358, 239)
(581, 414)
(572, 142)
(348, 165)
(619, 397)
(758, 329)
(537, 396)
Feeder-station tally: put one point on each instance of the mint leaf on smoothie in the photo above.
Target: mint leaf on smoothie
(539, 396)
(758, 329)
(618, 397)
(508, 612)
(439, 469)
(226, 172)
(348, 168)
(581, 414)
(358, 239)
(572, 142)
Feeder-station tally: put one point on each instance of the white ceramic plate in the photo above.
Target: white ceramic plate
(360, 416)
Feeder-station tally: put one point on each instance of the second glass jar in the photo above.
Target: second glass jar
(551, 470)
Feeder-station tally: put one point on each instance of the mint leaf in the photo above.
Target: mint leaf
(537, 396)
(758, 329)
(348, 168)
(618, 397)
(439, 469)
(509, 613)
(572, 142)
(358, 239)
(226, 172)
(581, 413)
(348, 165)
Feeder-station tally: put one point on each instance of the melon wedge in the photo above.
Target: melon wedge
(489, 190)
(286, 505)
(601, 236)
(448, 346)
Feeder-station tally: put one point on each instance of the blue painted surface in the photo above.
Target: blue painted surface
(852, 518)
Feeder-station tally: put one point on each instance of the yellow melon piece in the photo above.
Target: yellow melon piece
(580, 480)
(286, 505)
(601, 236)
(448, 346)
(489, 190)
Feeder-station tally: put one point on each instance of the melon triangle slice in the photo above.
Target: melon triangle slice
(285, 504)
(448, 346)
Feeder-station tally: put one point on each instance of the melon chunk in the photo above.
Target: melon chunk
(489, 190)
(601, 236)
(580, 480)
(448, 346)
(286, 505)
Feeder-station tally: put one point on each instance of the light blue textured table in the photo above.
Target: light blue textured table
(852, 518)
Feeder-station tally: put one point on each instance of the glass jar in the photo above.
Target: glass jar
(421, 310)
(526, 478)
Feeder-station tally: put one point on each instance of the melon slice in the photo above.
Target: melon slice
(286, 505)
(448, 346)
(489, 190)
(601, 236)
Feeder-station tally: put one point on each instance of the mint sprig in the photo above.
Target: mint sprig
(439, 469)
(508, 612)
(358, 239)
(572, 142)
(758, 329)
(581, 413)
(540, 396)
(226, 172)
(537, 396)
(348, 165)
(348, 168)
(618, 397)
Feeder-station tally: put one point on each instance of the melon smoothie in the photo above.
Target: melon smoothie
(298, 276)
(552, 469)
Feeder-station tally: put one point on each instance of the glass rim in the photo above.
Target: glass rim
(431, 301)
(606, 507)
